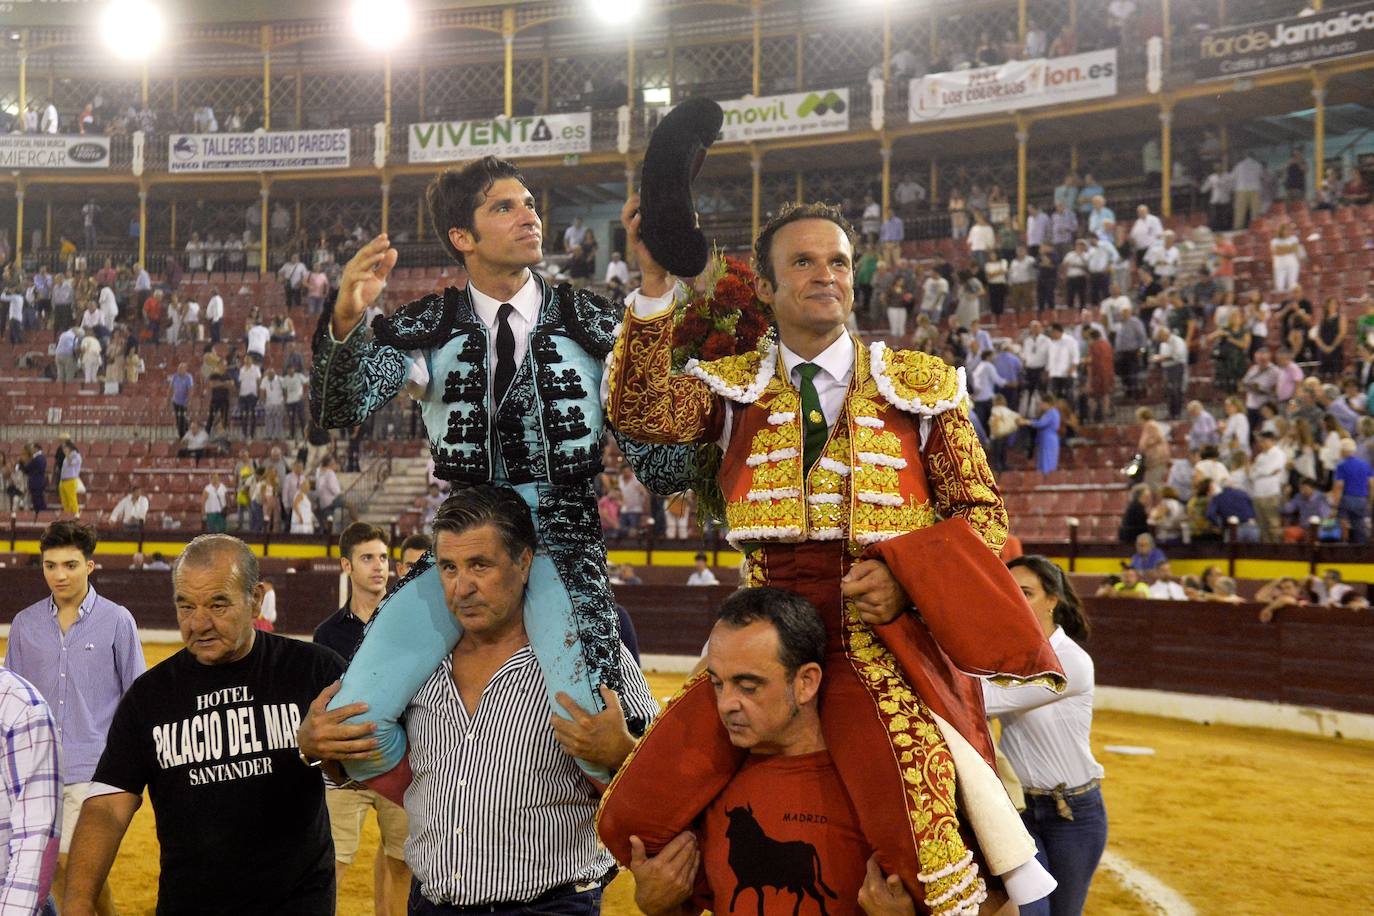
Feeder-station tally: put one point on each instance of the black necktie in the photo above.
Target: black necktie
(505, 352)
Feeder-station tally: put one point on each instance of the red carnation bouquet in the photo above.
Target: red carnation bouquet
(720, 317)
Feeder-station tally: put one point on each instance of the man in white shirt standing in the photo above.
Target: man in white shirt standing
(934, 292)
(1035, 353)
(327, 490)
(109, 312)
(258, 336)
(1247, 180)
(216, 500)
(273, 404)
(634, 503)
(1164, 259)
(293, 393)
(1061, 362)
(249, 376)
(293, 274)
(618, 274)
(49, 123)
(132, 510)
(1217, 186)
(214, 313)
(1145, 231)
(1268, 471)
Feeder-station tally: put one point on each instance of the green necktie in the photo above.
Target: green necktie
(814, 429)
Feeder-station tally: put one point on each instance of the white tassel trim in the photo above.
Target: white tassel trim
(819, 499)
(781, 454)
(781, 419)
(740, 535)
(872, 422)
(761, 496)
(880, 499)
(836, 467)
(767, 367)
(826, 534)
(874, 537)
(878, 367)
(947, 870)
(886, 461)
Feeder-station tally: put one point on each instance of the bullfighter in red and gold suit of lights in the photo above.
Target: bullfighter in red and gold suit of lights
(852, 475)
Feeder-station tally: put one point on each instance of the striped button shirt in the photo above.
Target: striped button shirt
(498, 811)
(30, 795)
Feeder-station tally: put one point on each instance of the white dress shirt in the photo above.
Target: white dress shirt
(1045, 734)
(1036, 351)
(1062, 357)
(1267, 473)
(1164, 590)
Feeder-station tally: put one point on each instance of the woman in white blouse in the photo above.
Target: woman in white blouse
(1045, 736)
(1285, 250)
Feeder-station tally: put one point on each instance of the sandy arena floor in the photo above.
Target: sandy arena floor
(1236, 821)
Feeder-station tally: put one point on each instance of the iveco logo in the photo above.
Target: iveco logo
(86, 152)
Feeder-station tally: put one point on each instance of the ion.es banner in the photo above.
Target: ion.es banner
(508, 138)
(1014, 85)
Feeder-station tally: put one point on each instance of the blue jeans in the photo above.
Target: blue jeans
(587, 903)
(1355, 511)
(1069, 850)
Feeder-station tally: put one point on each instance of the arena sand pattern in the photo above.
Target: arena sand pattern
(1239, 821)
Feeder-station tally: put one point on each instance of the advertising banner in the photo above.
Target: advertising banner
(53, 151)
(1242, 50)
(1014, 85)
(268, 151)
(825, 111)
(508, 138)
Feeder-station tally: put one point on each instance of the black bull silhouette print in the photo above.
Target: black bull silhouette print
(759, 861)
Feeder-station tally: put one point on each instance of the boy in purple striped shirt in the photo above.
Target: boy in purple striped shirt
(81, 652)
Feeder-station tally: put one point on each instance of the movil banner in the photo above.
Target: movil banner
(1012, 86)
(53, 151)
(1240, 51)
(825, 111)
(508, 138)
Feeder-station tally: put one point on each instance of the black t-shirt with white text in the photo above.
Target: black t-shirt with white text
(240, 819)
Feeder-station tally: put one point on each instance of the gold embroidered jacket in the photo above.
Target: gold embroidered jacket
(902, 455)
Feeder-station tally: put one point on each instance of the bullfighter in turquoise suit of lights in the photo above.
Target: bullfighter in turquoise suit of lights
(543, 437)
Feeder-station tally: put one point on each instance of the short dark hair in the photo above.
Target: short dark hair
(488, 504)
(360, 533)
(68, 534)
(455, 194)
(416, 542)
(801, 635)
(791, 213)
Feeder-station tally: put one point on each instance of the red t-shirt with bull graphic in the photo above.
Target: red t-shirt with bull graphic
(783, 830)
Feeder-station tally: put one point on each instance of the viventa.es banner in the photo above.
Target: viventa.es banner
(509, 138)
(1014, 85)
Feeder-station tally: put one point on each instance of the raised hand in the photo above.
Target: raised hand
(362, 280)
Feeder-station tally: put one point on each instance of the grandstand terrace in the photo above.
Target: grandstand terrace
(1145, 101)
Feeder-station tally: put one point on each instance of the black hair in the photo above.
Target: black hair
(455, 194)
(791, 213)
(360, 533)
(68, 534)
(801, 635)
(1068, 610)
(487, 504)
(416, 542)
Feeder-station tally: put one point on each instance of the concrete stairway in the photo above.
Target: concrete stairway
(397, 496)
